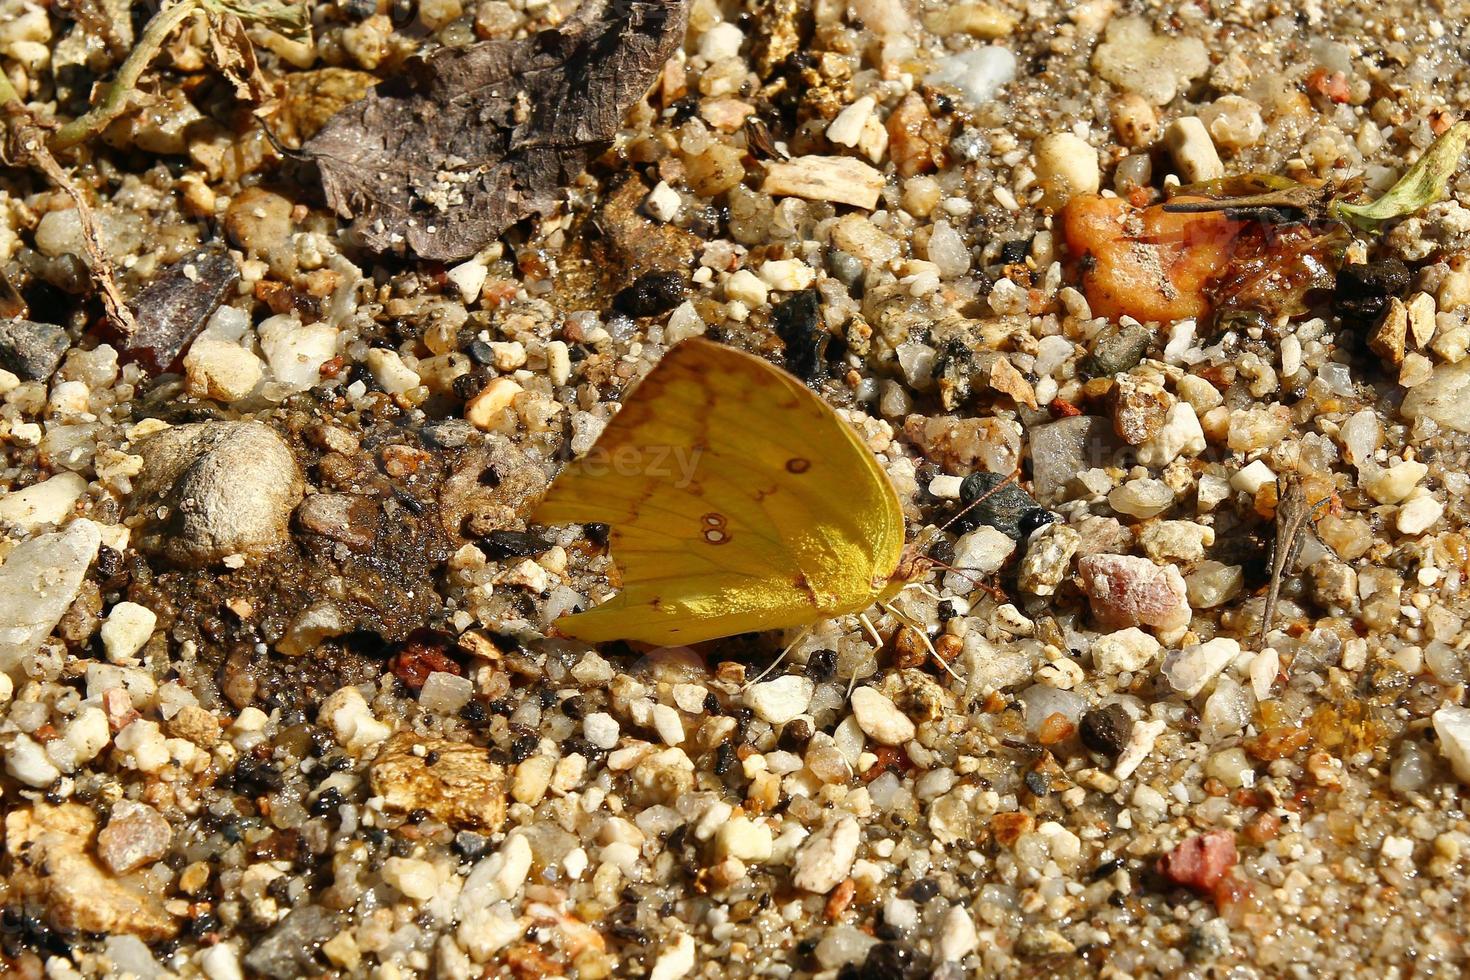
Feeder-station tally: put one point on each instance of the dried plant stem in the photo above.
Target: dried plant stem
(27, 145)
(117, 96)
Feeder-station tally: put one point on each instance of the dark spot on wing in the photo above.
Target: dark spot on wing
(798, 465)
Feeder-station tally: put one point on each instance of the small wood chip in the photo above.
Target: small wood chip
(841, 180)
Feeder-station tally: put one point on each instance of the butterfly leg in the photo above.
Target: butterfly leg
(867, 624)
(923, 638)
(777, 662)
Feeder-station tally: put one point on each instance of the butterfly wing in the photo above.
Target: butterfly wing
(737, 501)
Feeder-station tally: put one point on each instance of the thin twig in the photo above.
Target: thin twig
(116, 97)
(27, 144)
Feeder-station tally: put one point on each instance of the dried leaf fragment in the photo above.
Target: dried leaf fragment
(1426, 182)
(469, 141)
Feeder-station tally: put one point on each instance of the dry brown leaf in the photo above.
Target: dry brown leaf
(468, 141)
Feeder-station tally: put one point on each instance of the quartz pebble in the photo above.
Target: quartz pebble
(38, 582)
(1452, 725)
(1066, 165)
(49, 502)
(127, 628)
(1128, 591)
(1190, 669)
(826, 857)
(1125, 651)
(136, 834)
(1048, 559)
(879, 717)
(978, 74)
(781, 700)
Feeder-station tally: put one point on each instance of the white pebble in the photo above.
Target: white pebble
(879, 718)
(744, 838)
(1250, 479)
(1190, 669)
(601, 729)
(1264, 668)
(825, 858)
(675, 960)
(668, 724)
(778, 701)
(1140, 744)
(720, 42)
(1193, 150)
(469, 278)
(127, 628)
(787, 274)
(1452, 725)
(27, 762)
(1066, 165)
(663, 202)
(48, 502)
(1180, 435)
(1418, 515)
(978, 73)
(1125, 651)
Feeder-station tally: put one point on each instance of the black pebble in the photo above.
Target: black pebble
(651, 294)
(470, 846)
(1105, 730)
(1004, 508)
(499, 545)
(1015, 251)
(524, 747)
(1363, 289)
(821, 665)
(797, 321)
(923, 890)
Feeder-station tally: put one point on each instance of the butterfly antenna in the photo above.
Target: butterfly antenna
(922, 543)
(906, 620)
(777, 662)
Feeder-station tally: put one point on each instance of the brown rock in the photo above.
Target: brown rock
(1138, 408)
(916, 140)
(135, 835)
(50, 865)
(1391, 336)
(259, 222)
(1200, 862)
(196, 724)
(351, 519)
(461, 787)
(1005, 379)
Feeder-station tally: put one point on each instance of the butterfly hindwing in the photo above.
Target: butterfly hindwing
(738, 501)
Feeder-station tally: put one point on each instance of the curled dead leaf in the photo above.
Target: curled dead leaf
(469, 141)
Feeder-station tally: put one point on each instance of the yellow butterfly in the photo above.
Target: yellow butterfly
(737, 501)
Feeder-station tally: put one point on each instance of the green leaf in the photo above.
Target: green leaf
(1426, 182)
(287, 19)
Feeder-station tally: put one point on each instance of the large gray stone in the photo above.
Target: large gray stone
(30, 349)
(1060, 450)
(214, 489)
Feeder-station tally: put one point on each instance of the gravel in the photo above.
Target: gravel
(280, 689)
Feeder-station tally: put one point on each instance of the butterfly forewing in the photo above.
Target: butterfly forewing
(738, 501)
